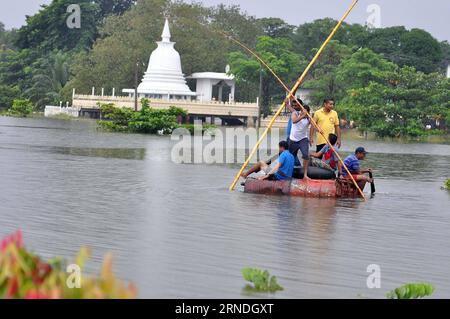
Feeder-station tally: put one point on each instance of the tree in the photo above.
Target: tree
(114, 7)
(7, 95)
(422, 51)
(445, 48)
(6, 38)
(414, 48)
(16, 68)
(21, 108)
(49, 79)
(276, 28)
(311, 35)
(47, 30)
(323, 76)
(279, 56)
(400, 104)
(363, 67)
(231, 20)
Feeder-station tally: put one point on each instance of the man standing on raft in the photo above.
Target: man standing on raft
(328, 121)
(299, 139)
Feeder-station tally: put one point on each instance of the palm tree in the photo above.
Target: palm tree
(49, 80)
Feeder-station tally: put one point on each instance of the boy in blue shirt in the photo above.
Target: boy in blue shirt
(283, 169)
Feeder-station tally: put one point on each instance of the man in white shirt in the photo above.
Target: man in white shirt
(299, 138)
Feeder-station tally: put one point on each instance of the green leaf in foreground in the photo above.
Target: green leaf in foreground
(447, 184)
(262, 281)
(412, 291)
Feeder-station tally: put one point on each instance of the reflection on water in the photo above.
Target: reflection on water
(136, 154)
(121, 153)
(177, 232)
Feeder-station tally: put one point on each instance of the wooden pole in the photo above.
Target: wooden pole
(291, 93)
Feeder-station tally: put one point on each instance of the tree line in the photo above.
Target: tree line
(387, 80)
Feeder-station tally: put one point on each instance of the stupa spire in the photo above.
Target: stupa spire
(166, 32)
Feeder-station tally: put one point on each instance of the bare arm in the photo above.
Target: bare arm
(288, 103)
(317, 155)
(338, 133)
(272, 172)
(297, 118)
(312, 131)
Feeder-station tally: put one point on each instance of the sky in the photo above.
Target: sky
(431, 15)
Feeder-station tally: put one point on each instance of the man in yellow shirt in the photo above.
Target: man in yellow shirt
(328, 121)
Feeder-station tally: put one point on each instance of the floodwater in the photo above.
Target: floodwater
(176, 231)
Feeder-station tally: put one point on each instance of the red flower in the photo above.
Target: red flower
(34, 294)
(15, 238)
(13, 287)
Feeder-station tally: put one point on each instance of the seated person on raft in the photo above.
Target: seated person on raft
(353, 164)
(299, 138)
(283, 169)
(326, 158)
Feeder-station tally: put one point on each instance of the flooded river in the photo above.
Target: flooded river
(176, 231)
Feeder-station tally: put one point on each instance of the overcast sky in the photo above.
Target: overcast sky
(431, 15)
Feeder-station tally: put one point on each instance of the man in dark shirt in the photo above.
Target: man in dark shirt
(354, 166)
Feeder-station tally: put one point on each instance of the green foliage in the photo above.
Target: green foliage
(362, 67)
(118, 117)
(415, 48)
(262, 281)
(309, 36)
(47, 30)
(412, 291)
(277, 53)
(397, 102)
(447, 184)
(323, 78)
(24, 275)
(49, 79)
(6, 38)
(21, 108)
(146, 121)
(276, 28)
(7, 95)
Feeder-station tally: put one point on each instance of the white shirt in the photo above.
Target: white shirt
(300, 130)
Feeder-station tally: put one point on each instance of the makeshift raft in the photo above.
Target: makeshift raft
(319, 186)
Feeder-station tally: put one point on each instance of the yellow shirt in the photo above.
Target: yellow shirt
(327, 122)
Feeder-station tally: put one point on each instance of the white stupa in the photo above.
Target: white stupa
(164, 78)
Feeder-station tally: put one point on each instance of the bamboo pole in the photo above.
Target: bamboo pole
(292, 94)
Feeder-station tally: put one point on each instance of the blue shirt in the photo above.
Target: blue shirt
(289, 128)
(330, 157)
(352, 163)
(286, 169)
